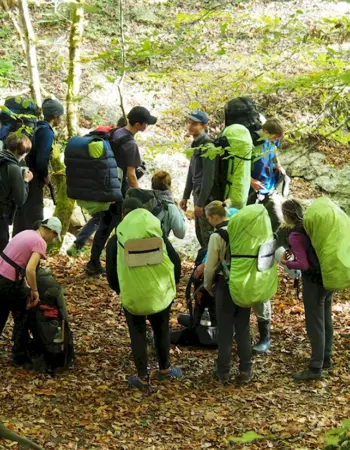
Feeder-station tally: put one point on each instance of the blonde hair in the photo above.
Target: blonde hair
(161, 180)
(218, 208)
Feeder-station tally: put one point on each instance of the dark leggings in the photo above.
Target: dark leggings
(137, 330)
(14, 299)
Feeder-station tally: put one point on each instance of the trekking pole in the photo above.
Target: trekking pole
(52, 193)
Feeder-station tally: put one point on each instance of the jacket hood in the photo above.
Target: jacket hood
(6, 156)
(166, 196)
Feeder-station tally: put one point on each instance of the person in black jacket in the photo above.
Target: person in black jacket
(38, 162)
(200, 177)
(13, 181)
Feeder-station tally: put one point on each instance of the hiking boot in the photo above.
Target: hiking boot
(93, 268)
(139, 383)
(264, 342)
(245, 377)
(327, 363)
(308, 374)
(74, 250)
(222, 377)
(171, 373)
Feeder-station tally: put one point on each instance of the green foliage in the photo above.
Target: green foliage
(339, 438)
(6, 68)
(250, 436)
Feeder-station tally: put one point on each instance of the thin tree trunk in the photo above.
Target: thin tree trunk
(29, 37)
(74, 69)
(65, 206)
(9, 9)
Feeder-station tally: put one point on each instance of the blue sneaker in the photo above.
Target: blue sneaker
(137, 383)
(171, 373)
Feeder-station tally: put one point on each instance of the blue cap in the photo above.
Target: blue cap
(199, 116)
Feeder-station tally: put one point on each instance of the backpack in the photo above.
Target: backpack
(197, 299)
(18, 112)
(151, 201)
(233, 165)
(52, 346)
(242, 110)
(328, 227)
(145, 271)
(252, 266)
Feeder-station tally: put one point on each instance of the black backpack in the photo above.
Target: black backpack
(242, 110)
(18, 112)
(151, 201)
(52, 346)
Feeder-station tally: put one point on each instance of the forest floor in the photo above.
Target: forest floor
(91, 407)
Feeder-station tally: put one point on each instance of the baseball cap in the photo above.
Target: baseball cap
(54, 224)
(199, 116)
(141, 115)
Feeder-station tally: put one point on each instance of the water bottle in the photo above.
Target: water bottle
(205, 319)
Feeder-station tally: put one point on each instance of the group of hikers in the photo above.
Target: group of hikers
(239, 226)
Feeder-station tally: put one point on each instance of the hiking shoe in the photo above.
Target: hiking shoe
(244, 377)
(308, 374)
(222, 377)
(74, 250)
(171, 373)
(327, 363)
(138, 383)
(92, 268)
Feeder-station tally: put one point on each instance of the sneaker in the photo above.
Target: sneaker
(75, 251)
(138, 383)
(92, 268)
(171, 373)
(308, 374)
(244, 377)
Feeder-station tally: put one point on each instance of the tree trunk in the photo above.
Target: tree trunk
(65, 206)
(74, 69)
(8, 6)
(32, 63)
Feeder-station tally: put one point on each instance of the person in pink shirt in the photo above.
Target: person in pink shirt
(18, 287)
(317, 301)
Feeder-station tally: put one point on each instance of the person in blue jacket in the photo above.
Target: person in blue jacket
(38, 162)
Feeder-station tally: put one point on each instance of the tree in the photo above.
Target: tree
(74, 68)
(65, 206)
(30, 53)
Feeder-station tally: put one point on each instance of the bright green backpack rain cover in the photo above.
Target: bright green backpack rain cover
(248, 229)
(329, 230)
(239, 168)
(147, 289)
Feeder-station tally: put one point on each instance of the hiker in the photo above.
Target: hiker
(145, 275)
(20, 259)
(159, 201)
(127, 156)
(13, 181)
(267, 171)
(317, 301)
(93, 223)
(38, 162)
(200, 177)
(230, 317)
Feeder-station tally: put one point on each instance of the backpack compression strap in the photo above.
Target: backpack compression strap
(19, 270)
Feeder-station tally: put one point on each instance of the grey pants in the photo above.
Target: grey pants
(263, 311)
(319, 324)
(231, 317)
(203, 227)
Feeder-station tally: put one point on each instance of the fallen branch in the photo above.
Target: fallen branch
(5, 433)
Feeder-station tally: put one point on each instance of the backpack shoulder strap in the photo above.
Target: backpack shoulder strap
(223, 234)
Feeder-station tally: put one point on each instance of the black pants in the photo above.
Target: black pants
(13, 298)
(137, 330)
(231, 317)
(318, 318)
(4, 231)
(109, 221)
(33, 209)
